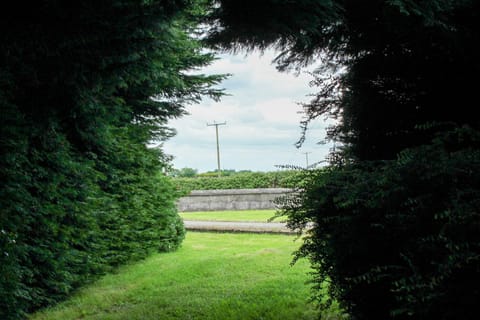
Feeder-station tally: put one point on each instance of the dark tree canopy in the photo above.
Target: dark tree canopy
(396, 215)
(408, 64)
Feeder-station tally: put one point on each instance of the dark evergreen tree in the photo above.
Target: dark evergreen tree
(396, 218)
(84, 87)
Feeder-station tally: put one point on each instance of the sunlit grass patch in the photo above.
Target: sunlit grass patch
(213, 276)
(233, 215)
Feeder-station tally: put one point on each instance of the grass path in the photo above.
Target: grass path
(232, 215)
(213, 276)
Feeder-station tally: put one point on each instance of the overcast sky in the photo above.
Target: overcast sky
(262, 119)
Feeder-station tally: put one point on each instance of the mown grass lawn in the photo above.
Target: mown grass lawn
(213, 276)
(237, 215)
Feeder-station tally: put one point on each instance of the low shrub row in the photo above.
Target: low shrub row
(241, 180)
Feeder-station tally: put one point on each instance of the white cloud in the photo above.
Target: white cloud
(262, 118)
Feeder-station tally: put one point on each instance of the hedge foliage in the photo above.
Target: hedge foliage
(84, 87)
(396, 217)
(393, 243)
(240, 180)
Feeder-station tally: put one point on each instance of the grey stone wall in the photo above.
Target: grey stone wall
(233, 199)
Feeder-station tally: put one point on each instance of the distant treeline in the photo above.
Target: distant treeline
(240, 180)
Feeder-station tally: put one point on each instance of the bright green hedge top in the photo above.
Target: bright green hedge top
(241, 180)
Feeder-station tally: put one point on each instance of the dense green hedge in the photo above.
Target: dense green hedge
(84, 87)
(241, 180)
(66, 218)
(396, 219)
(398, 238)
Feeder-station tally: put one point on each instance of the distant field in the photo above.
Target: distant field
(239, 215)
(212, 277)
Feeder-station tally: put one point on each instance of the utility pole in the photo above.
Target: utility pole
(218, 147)
(306, 157)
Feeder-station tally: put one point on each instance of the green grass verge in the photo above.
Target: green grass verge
(213, 276)
(234, 215)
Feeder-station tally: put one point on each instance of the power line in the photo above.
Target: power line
(218, 146)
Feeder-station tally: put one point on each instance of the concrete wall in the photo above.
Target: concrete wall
(234, 199)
